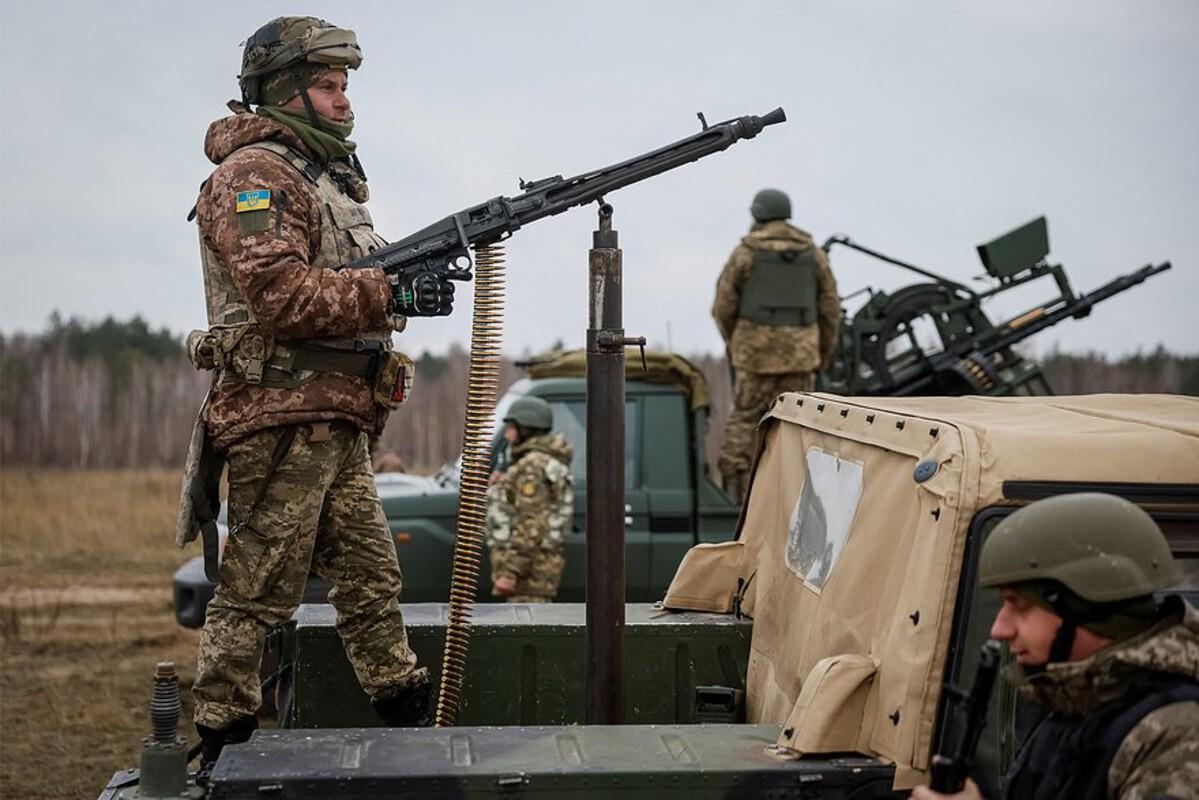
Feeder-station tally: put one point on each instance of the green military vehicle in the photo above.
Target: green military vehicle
(807, 657)
(671, 503)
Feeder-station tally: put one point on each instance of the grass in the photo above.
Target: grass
(85, 613)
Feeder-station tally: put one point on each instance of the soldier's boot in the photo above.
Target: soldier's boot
(733, 484)
(213, 740)
(406, 708)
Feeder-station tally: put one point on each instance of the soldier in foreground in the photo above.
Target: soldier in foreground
(778, 312)
(530, 507)
(304, 372)
(1116, 671)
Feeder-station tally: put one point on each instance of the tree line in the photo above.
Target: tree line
(118, 394)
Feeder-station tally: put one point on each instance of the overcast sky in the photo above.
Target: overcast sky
(918, 128)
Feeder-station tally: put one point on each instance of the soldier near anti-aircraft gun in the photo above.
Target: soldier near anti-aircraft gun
(304, 371)
(1116, 670)
(777, 309)
(530, 507)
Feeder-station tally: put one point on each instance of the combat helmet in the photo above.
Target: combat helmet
(1099, 546)
(294, 42)
(531, 414)
(770, 204)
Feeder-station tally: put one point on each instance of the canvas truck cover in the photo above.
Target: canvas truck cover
(660, 367)
(850, 546)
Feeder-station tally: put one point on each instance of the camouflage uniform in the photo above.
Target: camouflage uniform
(273, 290)
(768, 359)
(1160, 755)
(530, 510)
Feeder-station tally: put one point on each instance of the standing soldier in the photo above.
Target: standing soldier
(531, 507)
(1116, 671)
(778, 313)
(304, 371)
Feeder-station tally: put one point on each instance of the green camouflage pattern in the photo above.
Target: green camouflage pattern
(775, 349)
(1160, 756)
(275, 279)
(529, 514)
(320, 511)
(753, 394)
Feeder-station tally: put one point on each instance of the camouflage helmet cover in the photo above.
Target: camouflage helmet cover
(287, 41)
(1099, 546)
(770, 204)
(530, 413)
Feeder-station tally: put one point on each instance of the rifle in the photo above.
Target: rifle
(949, 772)
(443, 248)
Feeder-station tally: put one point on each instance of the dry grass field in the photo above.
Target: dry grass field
(85, 613)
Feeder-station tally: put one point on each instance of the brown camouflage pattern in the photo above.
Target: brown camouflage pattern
(1160, 756)
(320, 512)
(530, 511)
(286, 276)
(753, 394)
(775, 349)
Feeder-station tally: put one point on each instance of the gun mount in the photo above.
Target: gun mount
(934, 338)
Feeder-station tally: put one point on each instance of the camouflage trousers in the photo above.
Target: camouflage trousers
(540, 585)
(753, 392)
(319, 511)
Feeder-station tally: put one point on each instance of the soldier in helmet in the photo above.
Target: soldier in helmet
(304, 372)
(530, 507)
(1115, 670)
(778, 312)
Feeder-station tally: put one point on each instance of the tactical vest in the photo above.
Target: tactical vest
(235, 344)
(1068, 758)
(781, 289)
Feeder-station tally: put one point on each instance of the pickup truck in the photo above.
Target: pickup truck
(804, 658)
(671, 503)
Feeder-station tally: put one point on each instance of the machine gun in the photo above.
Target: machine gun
(950, 771)
(879, 351)
(443, 248)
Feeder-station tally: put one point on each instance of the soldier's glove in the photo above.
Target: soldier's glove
(424, 295)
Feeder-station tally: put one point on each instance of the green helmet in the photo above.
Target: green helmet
(530, 414)
(1101, 547)
(294, 41)
(770, 204)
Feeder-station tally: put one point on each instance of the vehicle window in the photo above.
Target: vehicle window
(570, 419)
(1013, 717)
(820, 521)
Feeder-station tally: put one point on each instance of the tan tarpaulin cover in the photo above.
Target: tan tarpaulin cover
(661, 367)
(852, 657)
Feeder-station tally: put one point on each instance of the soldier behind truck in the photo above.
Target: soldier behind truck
(530, 507)
(1116, 670)
(777, 310)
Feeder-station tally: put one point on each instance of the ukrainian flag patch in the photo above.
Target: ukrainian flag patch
(257, 200)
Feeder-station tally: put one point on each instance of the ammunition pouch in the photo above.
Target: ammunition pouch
(781, 289)
(393, 379)
(240, 349)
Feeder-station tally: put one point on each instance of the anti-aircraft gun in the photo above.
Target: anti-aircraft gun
(884, 348)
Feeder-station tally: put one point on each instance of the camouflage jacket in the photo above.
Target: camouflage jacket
(773, 349)
(278, 266)
(1160, 755)
(529, 515)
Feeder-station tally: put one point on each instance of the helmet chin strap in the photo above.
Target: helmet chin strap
(1063, 640)
(313, 117)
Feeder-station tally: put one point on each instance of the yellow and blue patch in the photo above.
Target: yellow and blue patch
(257, 200)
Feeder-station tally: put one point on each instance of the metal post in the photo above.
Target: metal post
(605, 479)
